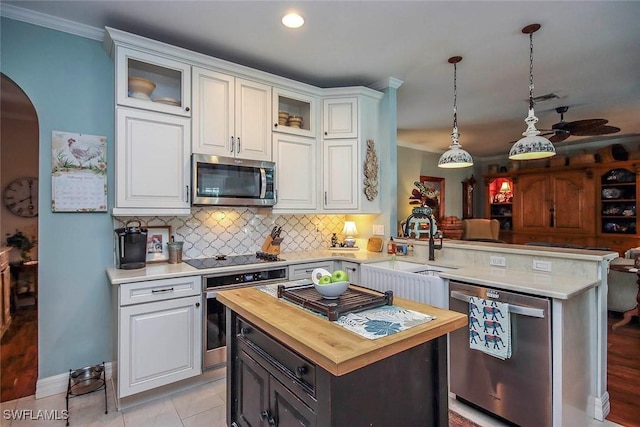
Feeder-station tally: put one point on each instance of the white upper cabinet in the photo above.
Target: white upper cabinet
(152, 163)
(340, 118)
(152, 82)
(231, 116)
(296, 160)
(294, 113)
(340, 174)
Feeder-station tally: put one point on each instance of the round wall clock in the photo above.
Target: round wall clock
(21, 197)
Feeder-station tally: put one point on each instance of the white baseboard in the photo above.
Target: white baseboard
(57, 384)
(602, 407)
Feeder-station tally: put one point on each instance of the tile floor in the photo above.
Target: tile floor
(200, 406)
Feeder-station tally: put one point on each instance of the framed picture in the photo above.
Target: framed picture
(157, 239)
(436, 185)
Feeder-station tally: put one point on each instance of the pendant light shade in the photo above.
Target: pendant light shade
(533, 145)
(455, 156)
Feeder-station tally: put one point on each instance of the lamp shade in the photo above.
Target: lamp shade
(349, 228)
(505, 187)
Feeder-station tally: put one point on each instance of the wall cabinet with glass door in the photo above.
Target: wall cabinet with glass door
(294, 113)
(500, 204)
(231, 116)
(153, 128)
(617, 207)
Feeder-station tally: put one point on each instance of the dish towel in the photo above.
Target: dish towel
(490, 327)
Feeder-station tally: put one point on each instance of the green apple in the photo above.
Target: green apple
(339, 276)
(324, 280)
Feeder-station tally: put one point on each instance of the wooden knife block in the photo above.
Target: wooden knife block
(271, 245)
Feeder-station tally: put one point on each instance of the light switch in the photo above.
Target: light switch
(378, 230)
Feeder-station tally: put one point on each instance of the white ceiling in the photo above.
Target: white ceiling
(587, 52)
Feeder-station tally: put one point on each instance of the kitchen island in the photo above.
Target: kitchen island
(293, 367)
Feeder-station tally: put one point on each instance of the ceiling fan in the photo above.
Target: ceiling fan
(588, 127)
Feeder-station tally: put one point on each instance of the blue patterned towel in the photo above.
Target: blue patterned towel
(490, 327)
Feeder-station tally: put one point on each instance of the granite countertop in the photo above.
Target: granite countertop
(164, 271)
(541, 284)
(330, 346)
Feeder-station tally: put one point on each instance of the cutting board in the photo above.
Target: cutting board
(374, 244)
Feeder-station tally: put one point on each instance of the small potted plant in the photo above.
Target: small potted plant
(22, 242)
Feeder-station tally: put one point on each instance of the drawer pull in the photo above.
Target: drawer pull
(301, 370)
(161, 291)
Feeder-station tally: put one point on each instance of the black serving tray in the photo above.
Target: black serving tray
(352, 300)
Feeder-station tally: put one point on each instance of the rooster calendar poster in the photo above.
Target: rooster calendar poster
(79, 172)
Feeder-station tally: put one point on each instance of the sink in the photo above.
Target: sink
(398, 265)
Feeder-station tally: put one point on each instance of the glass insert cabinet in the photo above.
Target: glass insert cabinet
(618, 202)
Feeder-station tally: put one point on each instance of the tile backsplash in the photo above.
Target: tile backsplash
(207, 232)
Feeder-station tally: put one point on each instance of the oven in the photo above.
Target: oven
(214, 326)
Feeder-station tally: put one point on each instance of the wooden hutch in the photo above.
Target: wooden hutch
(586, 205)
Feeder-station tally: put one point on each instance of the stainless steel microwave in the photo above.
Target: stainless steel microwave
(227, 181)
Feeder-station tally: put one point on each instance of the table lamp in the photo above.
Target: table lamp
(349, 230)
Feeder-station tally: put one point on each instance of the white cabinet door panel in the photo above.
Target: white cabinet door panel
(213, 112)
(152, 160)
(341, 174)
(296, 176)
(160, 343)
(340, 118)
(253, 117)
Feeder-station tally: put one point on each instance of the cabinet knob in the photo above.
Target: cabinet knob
(187, 109)
(197, 304)
(275, 125)
(301, 370)
(326, 133)
(245, 331)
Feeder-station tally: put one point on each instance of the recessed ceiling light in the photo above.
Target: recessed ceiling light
(293, 20)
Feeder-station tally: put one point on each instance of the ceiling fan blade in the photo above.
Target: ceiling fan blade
(580, 125)
(599, 130)
(559, 136)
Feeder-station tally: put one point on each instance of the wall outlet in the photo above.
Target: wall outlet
(498, 261)
(542, 265)
(378, 230)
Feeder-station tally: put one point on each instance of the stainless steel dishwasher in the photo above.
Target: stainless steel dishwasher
(517, 389)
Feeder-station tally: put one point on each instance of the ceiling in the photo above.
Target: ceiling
(587, 53)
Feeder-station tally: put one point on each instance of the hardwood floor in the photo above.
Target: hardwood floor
(19, 355)
(18, 362)
(623, 372)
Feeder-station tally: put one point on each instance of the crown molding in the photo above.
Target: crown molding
(390, 82)
(52, 22)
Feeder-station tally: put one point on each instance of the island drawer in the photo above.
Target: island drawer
(281, 357)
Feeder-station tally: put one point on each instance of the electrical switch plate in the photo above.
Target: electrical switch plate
(498, 261)
(378, 230)
(542, 265)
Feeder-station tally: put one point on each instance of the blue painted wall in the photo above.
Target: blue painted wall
(70, 81)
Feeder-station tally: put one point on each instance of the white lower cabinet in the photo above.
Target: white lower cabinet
(159, 339)
(303, 271)
(353, 270)
(296, 178)
(152, 163)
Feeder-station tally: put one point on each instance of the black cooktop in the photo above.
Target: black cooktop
(232, 261)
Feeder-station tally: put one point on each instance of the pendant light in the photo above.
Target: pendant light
(455, 156)
(533, 145)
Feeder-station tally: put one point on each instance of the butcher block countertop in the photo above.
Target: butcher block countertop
(328, 345)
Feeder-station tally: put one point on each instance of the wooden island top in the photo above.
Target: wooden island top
(331, 346)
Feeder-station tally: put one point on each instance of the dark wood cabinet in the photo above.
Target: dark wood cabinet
(555, 207)
(269, 384)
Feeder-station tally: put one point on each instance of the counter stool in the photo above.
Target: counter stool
(84, 381)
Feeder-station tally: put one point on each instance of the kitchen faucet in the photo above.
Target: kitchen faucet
(426, 212)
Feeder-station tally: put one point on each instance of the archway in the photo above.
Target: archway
(19, 157)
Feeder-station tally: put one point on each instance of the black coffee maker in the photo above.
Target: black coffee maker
(131, 246)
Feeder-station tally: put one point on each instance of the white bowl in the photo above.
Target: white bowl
(140, 85)
(332, 290)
